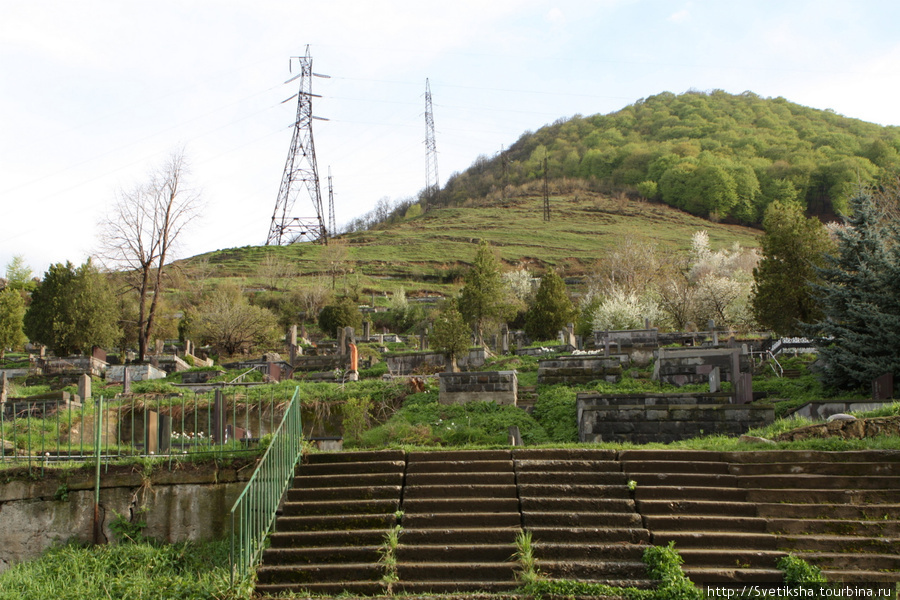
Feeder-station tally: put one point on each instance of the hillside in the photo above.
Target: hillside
(430, 252)
(712, 154)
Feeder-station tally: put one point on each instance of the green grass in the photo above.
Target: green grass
(125, 571)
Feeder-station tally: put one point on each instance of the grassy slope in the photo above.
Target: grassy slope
(428, 253)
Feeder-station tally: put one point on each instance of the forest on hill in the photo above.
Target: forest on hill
(716, 155)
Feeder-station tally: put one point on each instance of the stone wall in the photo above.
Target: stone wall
(644, 418)
(478, 386)
(116, 373)
(190, 504)
(628, 338)
(679, 366)
(408, 364)
(580, 369)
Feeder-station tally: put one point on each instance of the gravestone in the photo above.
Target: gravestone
(84, 386)
(367, 330)
(883, 387)
(4, 385)
(711, 325)
(160, 345)
(157, 433)
(715, 380)
(570, 336)
(504, 339)
(292, 336)
(274, 370)
(126, 381)
(514, 438)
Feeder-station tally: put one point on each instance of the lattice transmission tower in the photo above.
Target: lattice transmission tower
(331, 223)
(432, 181)
(300, 170)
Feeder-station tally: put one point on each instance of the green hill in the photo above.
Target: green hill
(712, 154)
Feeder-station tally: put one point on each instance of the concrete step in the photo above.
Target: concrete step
(338, 507)
(457, 536)
(627, 456)
(345, 468)
(714, 523)
(613, 505)
(730, 558)
(502, 571)
(301, 539)
(552, 454)
(862, 561)
(319, 573)
(588, 570)
(705, 480)
(337, 588)
(455, 553)
(695, 507)
(853, 575)
(372, 492)
(702, 575)
(460, 466)
(851, 496)
(459, 505)
(356, 457)
(588, 551)
(552, 490)
(838, 543)
(459, 455)
(819, 482)
(348, 480)
(812, 456)
(571, 478)
(580, 519)
(717, 540)
(456, 520)
(871, 512)
(450, 587)
(835, 527)
(459, 491)
(682, 493)
(568, 466)
(584, 535)
(855, 469)
(675, 466)
(323, 555)
(459, 479)
(335, 522)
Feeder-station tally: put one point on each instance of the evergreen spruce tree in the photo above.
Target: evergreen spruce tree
(552, 310)
(860, 333)
(12, 315)
(450, 334)
(482, 299)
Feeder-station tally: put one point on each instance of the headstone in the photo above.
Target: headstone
(84, 385)
(743, 388)
(292, 336)
(504, 339)
(126, 381)
(188, 347)
(515, 438)
(367, 328)
(97, 352)
(165, 434)
(570, 335)
(715, 381)
(495, 342)
(646, 323)
(4, 387)
(293, 353)
(342, 341)
(606, 344)
(160, 345)
(883, 387)
(274, 372)
(151, 432)
(422, 341)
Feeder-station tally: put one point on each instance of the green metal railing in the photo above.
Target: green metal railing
(253, 513)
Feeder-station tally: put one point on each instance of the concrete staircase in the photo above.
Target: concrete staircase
(731, 515)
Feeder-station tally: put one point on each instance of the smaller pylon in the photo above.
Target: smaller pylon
(432, 180)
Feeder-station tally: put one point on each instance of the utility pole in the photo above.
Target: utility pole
(504, 163)
(546, 192)
(300, 170)
(331, 225)
(432, 181)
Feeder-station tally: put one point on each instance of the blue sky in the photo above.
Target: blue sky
(95, 94)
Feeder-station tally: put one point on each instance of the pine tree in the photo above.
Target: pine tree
(860, 332)
(792, 247)
(450, 334)
(552, 310)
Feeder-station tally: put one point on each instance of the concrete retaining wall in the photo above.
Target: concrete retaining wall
(183, 505)
(408, 364)
(643, 418)
(580, 369)
(496, 386)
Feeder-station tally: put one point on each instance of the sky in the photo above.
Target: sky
(97, 94)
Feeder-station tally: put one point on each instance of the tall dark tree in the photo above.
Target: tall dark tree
(552, 309)
(859, 333)
(72, 310)
(482, 297)
(450, 334)
(792, 247)
(12, 317)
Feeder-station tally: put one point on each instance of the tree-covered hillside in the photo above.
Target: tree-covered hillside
(716, 155)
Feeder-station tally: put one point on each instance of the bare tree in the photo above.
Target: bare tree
(141, 231)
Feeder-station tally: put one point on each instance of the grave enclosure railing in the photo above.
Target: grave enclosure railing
(46, 432)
